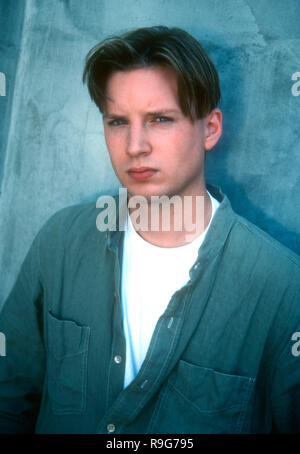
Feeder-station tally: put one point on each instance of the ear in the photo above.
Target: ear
(212, 128)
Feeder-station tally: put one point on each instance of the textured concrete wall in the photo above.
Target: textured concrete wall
(55, 152)
(11, 21)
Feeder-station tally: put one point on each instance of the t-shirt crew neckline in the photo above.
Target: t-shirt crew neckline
(142, 243)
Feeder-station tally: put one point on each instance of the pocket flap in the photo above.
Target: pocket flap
(210, 390)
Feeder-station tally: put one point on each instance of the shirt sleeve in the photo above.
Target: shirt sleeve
(285, 395)
(22, 367)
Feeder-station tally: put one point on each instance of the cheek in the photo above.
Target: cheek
(179, 148)
(187, 156)
(109, 139)
(114, 145)
(192, 144)
(171, 142)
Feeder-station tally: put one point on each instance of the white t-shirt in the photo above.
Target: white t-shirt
(150, 276)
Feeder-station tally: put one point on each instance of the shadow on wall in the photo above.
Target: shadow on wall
(219, 160)
(243, 206)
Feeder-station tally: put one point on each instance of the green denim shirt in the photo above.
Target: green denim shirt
(223, 358)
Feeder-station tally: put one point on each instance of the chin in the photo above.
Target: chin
(146, 194)
(142, 190)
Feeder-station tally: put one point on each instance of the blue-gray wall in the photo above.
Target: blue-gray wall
(52, 146)
(11, 21)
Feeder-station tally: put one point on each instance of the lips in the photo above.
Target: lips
(141, 173)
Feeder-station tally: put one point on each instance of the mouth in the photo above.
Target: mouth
(141, 173)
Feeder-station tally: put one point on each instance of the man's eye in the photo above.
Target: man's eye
(162, 119)
(116, 122)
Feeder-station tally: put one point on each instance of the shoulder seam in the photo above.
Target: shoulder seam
(269, 240)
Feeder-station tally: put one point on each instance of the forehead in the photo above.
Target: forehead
(150, 87)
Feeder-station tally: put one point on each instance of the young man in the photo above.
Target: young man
(191, 330)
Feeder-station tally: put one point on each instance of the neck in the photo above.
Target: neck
(172, 222)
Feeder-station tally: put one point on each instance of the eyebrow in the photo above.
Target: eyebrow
(153, 113)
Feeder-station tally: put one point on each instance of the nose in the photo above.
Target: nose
(138, 141)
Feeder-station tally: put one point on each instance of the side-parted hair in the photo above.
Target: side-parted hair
(198, 81)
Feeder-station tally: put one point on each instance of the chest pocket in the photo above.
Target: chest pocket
(67, 365)
(201, 400)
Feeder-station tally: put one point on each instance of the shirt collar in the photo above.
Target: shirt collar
(215, 238)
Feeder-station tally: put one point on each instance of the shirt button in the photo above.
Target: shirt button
(111, 428)
(170, 322)
(115, 295)
(118, 359)
(144, 384)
